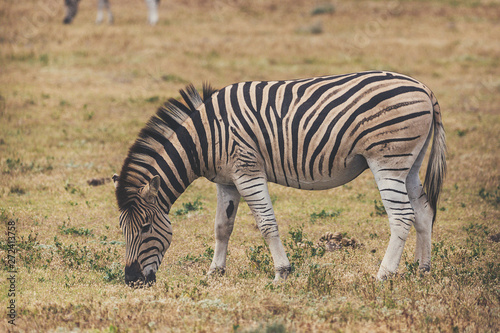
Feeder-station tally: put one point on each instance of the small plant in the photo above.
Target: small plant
(66, 230)
(63, 103)
(72, 189)
(193, 293)
(320, 281)
(204, 257)
(87, 115)
(439, 250)
(477, 234)
(315, 28)
(84, 257)
(15, 164)
(17, 189)
(114, 273)
(476, 229)
(209, 253)
(12, 164)
(274, 198)
(153, 99)
(29, 243)
(297, 235)
(189, 258)
(260, 259)
(300, 249)
(172, 78)
(4, 216)
(411, 268)
(269, 328)
(324, 8)
(29, 251)
(379, 208)
(492, 197)
(44, 59)
(360, 197)
(189, 207)
(324, 215)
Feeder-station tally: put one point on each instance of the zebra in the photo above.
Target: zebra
(312, 134)
(103, 5)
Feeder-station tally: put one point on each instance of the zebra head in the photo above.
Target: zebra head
(146, 228)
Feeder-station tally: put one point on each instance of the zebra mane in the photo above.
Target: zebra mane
(173, 113)
(164, 123)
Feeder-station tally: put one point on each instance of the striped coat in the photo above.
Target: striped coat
(312, 134)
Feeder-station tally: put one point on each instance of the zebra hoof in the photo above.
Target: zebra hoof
(425, 268)
(217, 271)
(282, 273)
(384, 275)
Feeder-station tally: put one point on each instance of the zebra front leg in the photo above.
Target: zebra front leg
(401, 217)
(228, 199)
(256, 194)
(101, 6)
(153, 11)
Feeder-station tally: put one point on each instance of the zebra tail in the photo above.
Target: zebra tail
(436, 166)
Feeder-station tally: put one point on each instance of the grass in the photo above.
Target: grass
(73, 98)
(188, 207)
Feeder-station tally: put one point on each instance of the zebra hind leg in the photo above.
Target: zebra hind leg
(228, 199)
(153, 11)
(423, 214)
(392, 187)
(423, 224)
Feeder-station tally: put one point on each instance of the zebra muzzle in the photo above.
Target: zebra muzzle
(134, 276)
(150, 278)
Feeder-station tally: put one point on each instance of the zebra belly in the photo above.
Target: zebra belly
(339, 176)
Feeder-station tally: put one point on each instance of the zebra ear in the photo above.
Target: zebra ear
(151, 190)
(115, 180)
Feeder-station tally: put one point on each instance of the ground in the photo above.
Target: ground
(73, 98)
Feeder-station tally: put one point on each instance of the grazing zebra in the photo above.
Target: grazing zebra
(313, 134)
(103, 5)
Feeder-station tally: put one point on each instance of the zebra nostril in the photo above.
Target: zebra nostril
(151, 278)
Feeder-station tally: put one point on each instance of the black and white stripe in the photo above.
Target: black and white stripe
(313, 134)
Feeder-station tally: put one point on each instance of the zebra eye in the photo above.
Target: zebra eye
(145, 228)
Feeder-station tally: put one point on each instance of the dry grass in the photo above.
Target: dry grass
(72, 99)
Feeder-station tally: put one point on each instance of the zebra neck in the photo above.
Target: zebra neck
(178, 158)
(189, 154)
(178, 168)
